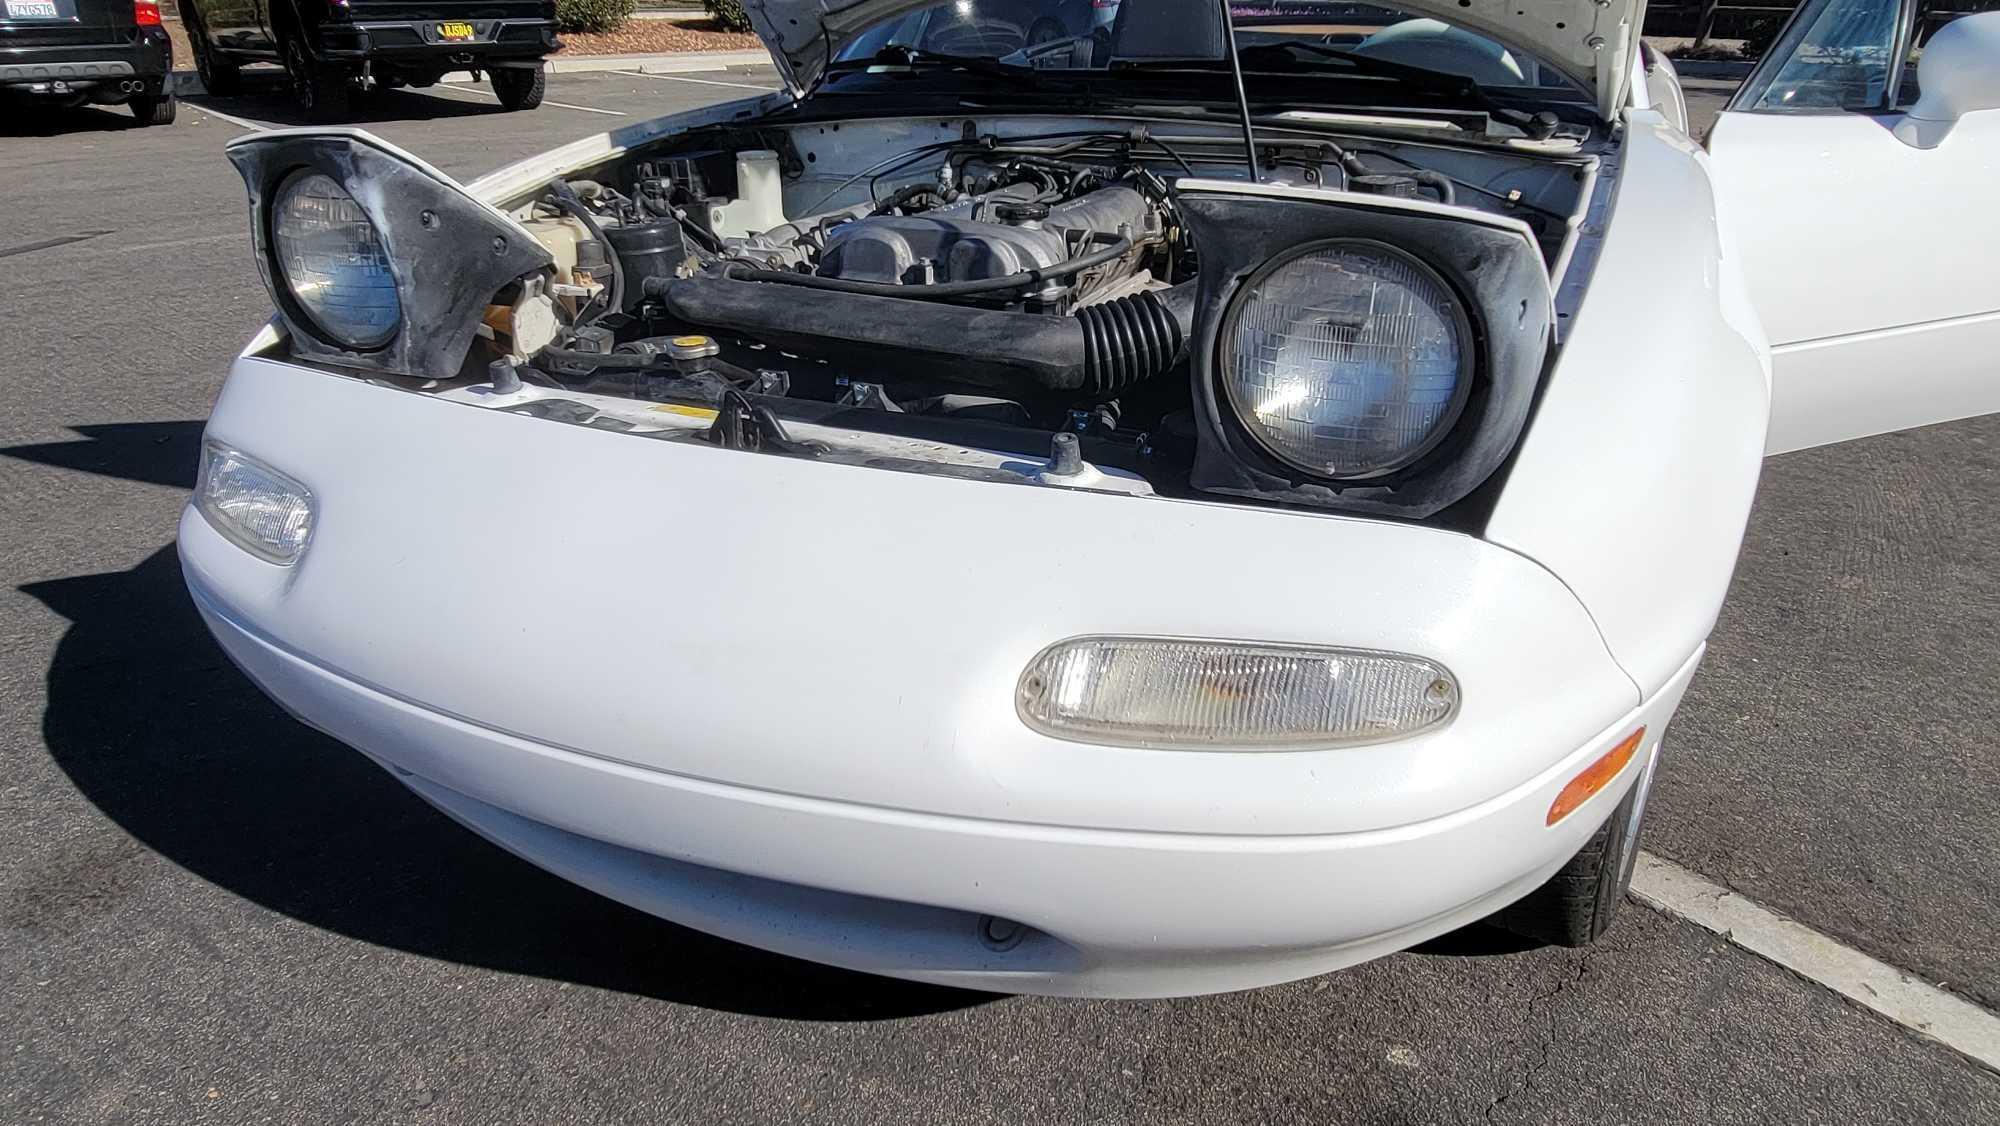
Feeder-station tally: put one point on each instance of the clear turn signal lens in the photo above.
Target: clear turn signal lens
(264, 511)
(1172, 693)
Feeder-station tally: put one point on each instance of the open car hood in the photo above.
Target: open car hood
(1589, 41)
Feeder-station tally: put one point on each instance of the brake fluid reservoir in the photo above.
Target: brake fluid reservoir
(760, 197)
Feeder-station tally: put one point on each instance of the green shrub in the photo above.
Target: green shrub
(1758, 34)
(593, 15)
(729, 14)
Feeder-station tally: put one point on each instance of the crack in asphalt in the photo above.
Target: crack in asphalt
(1549, 1041)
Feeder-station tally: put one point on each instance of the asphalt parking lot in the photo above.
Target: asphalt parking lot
(212, 914)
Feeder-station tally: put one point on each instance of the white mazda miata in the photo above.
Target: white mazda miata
(1117, 506)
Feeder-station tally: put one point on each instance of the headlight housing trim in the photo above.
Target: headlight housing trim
(449, 252)
(1491, 262)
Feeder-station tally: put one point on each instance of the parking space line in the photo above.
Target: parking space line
(684, 78)
(443, 88)
(1916, 1005)
(239, 122)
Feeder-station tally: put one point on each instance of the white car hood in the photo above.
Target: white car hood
(1590, 41)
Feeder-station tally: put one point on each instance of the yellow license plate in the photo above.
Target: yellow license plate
(454, 31)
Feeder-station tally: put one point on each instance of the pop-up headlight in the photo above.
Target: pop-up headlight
(375, 259)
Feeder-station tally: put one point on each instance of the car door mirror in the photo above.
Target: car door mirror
(1958, 74)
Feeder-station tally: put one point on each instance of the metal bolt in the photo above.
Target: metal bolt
(499, 246)
(1595, 43)
(429, 219)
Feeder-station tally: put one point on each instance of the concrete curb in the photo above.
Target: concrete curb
(678, 62)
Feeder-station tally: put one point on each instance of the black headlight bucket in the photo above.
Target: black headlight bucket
(1492, 265)
(448, 252)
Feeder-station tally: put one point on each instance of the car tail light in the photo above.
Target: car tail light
(146, 13)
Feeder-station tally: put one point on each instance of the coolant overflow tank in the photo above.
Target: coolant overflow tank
(760, 197)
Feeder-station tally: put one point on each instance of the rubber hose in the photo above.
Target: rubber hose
(1127, 340)
(566, 199)
(1439, 183)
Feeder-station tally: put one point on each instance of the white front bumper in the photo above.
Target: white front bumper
(774, 699)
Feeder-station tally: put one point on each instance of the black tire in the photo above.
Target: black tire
(1045, 30)
(519, 87)
(324, 93)
(1577, 905)
(153, 109)
(218, 76)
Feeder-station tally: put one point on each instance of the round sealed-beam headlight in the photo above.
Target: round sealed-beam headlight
(1346, 359)
(333, 262)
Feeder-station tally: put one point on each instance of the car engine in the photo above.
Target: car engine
(995, 297)
(1027, 289)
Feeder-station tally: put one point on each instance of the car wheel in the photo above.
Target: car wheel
(218, 76)
(1045, 30)
(322, 92)
(153, 109)
(1576, 906)
(519, 87)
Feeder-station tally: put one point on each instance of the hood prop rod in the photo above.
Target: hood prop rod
(1242, 98)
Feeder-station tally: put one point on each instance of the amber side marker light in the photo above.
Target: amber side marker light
(1595, 777)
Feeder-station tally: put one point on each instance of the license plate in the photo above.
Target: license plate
(31, 10)
(454, 31)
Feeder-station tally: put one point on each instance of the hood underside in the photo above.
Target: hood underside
(1589, 41)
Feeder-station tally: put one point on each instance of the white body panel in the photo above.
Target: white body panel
(694, 699)
(1635, 478)
(773, 698)
(776, 681)
(1871, 260)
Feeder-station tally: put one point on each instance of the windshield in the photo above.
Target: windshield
(1274, 36)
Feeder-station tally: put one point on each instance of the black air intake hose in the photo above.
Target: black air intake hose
(1129, 339)
(1100, 350)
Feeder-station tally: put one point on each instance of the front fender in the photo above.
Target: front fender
(1635, 479)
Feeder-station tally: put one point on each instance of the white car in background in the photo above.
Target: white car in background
(1039, 523)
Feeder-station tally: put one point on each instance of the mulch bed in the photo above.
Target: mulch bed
(658, 37)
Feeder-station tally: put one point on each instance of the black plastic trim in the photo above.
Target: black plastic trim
(1496, 272)
(447, 267)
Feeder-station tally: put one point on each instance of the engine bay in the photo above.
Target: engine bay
(993, 299)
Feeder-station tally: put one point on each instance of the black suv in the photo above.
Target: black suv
(333, 47)
(68, 52)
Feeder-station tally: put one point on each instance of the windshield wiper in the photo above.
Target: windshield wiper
(911, 59)
(1539, 126)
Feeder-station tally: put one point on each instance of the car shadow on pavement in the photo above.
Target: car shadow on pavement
(21, 120)
(266, 98)
(157, 453)
(161, 733)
